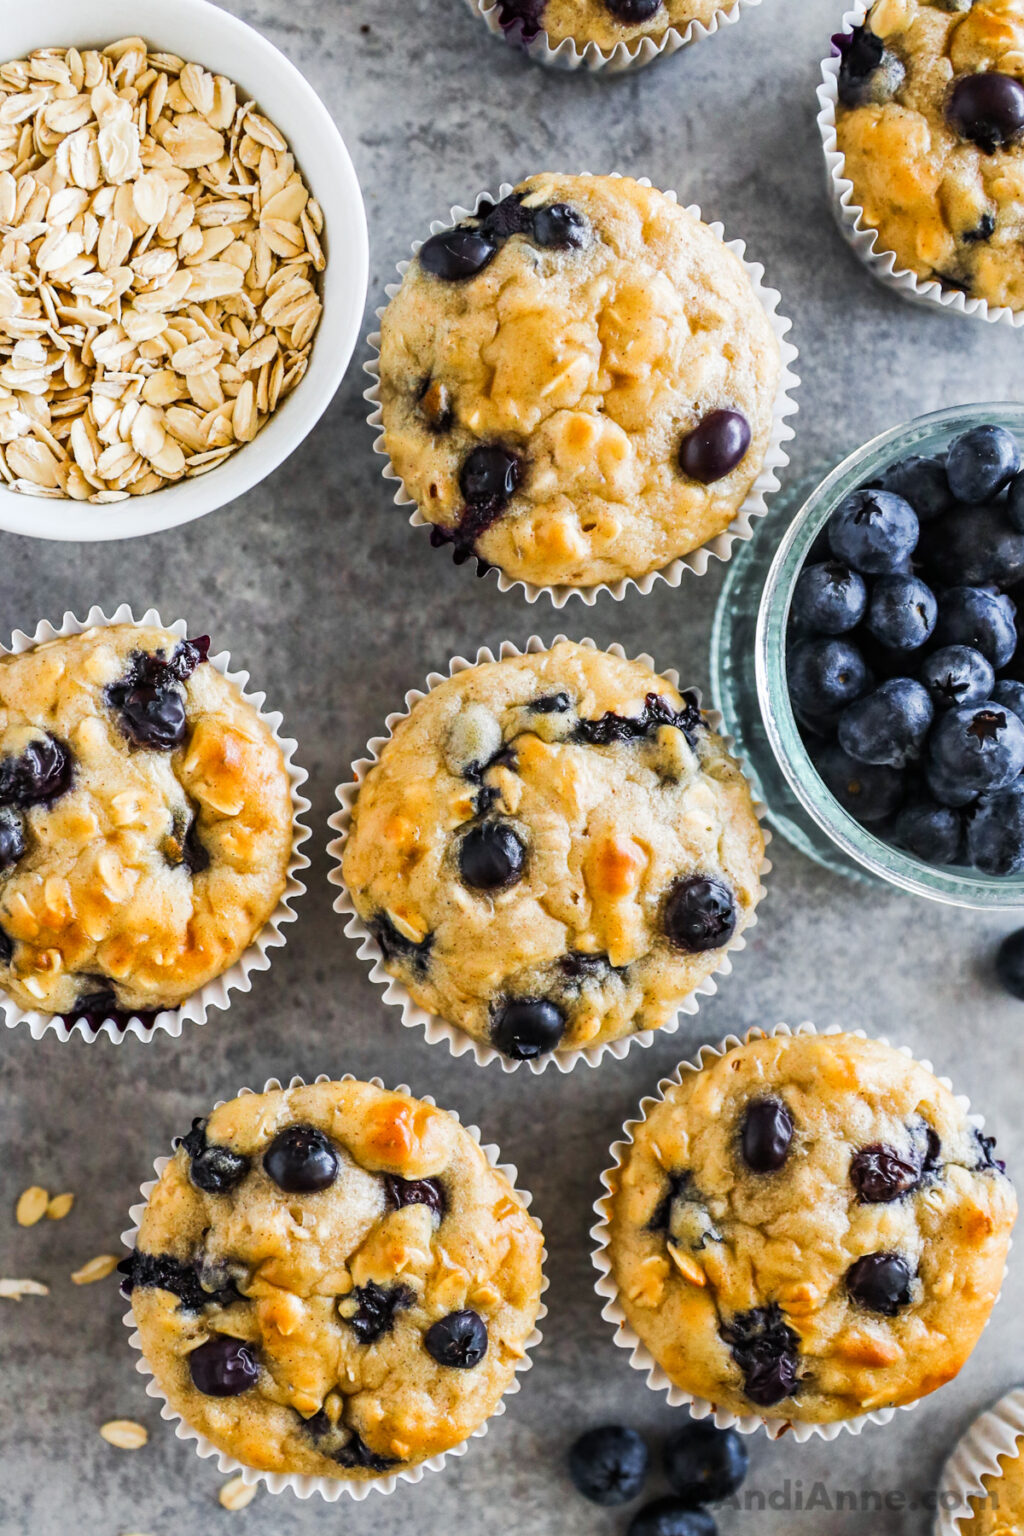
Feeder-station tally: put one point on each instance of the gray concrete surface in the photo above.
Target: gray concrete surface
(317, 584)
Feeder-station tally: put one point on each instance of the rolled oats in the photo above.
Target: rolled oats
(125, 1434)
(98, 1268)
(236, 1494)
(31, 1206)
(14, 1290)
(159, 271)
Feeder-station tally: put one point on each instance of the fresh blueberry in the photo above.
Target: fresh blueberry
(982, 462)
(632, 12)
(223, 1367)
(458, 1340)
(869, 74)
(1015, 502)
(12, 837)
(825, 676)
(766, 1135)
(1009, 694)
(458, 253)
(609, 1465)
(830, 598)
(489, 476)
(880, 1282)
(974, 546)
(41, 774)
(889, 725)
(715, 446)
(874, 531)
(957, 674)
(428, 1192)
(880, 1174)
(995, 832)
(902, 612)
(988, 109)
(923, 483)
(376, 1307)
(152, 717)
(1010, 963)
(528, 1027)
(766, 1350)
(700, 914)
(212, 1168)
(704, 1464)
(929, 831)
(978, 618)
(671, 1517)
(491, 856)
(301, 1160)
(867, 792)
(560, 227)
(976, 749)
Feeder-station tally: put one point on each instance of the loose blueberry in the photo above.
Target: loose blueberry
(825, 676)
(223, 1367)
(889, 725)
(880, 1282)
(995, 832)
(929, 831)
(41, 774)
(152, 717)
(700, 914)
(632, 12)
(715, 446)
(560, 227)
(490, 476)
(1010, 963)
(902, 612)
(458, 253)
(974, 546)
(766, 1350)
(215, 1169)
(609, 1465)
(923, 483)
(830, 598)
(704, 1464)
(671, 1517)
(12, 837)
(869, 74)
(982, 462)
(874, 531)
(491, 856)
(377, 1306)
(976, 750)
(766, 1135)
(867, 792)
(957, 674)
(528, 1028)
(458, 1340)
(428, 1192)
(301, 1160)
(988, 109)
(880, 1174)
(1009, 694)
(983, 620)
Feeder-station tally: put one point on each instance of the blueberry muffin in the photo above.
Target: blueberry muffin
(554, 850)
(931, 122)
(809, 1229)
(577, 385)
(606, 23)
(333, 1281)
(145, 823)
(1000, 1510)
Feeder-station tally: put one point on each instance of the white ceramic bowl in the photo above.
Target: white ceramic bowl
(204, 34)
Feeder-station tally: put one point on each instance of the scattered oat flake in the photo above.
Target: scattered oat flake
(98, 1268)
(60, 1206)
(236, 1494)
(14, 1290)
(31, 1206)
(125, 1434)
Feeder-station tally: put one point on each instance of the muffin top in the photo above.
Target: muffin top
(809, 1228)
(1000, 1510)
(145, 823)
(577, 384)
(553, 850)
(930, 120)
(333, 1280)
(606, 22)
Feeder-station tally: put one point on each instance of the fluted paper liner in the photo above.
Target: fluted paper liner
(997, 1433)
(436, 1028)
(238, 977)
(329, 1488)
(697, 561)
(640, 1358)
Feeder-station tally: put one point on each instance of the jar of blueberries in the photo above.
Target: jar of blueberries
(883, 718)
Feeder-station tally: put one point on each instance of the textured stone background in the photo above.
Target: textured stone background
(317, 584)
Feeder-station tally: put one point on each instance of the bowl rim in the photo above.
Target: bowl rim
(953, 885)
(335, 185)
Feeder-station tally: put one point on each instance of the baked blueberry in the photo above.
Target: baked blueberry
(902, 612)
(923, 483)
(375, 1309)
(880, 1174)
(214, 1169)
(974, 546)
(988, 109)
(766, 1135)
(301, 1160)
(38, 776)
(700, 914)
(957, 674)
(1010, 963)
(766, 1350)
(12, 837)
(491, 856)
(458, 1340)
(829, 598)
(869, 73)
(526, 1028)
(153, 717)
(867, 791)
(344, 1446)
(524, 13)
(609, 1465)
(825, 675)
(223, 1367)
(874, 531)
(1009, 694)
(560, 227)
(158, 1271)
(978, 618)
(929, 831)
(986, 1145)
(995, 832)
(429, 1192)
(975, 750)
(982, 462)
(457, 253)
(632, 12)
(489, 476)
(889, 725)
(395, 945)
(705, 1464)
(880, 1282)
(671, 1517)
(715, 446)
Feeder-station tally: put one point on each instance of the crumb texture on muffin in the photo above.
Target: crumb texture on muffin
(609, 22)
(333, 1280)
(560, 833)
(1000, 1510)
(539, 386)
(809, 1228)
(145, 822)
(943, 192)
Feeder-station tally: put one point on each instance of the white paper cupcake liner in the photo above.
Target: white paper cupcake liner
(329, 1488)
(976, 1455)
(437, 1029)
(624, 56)
(697, 561)
(864, 240)
(238, 978)
(640, 1357)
